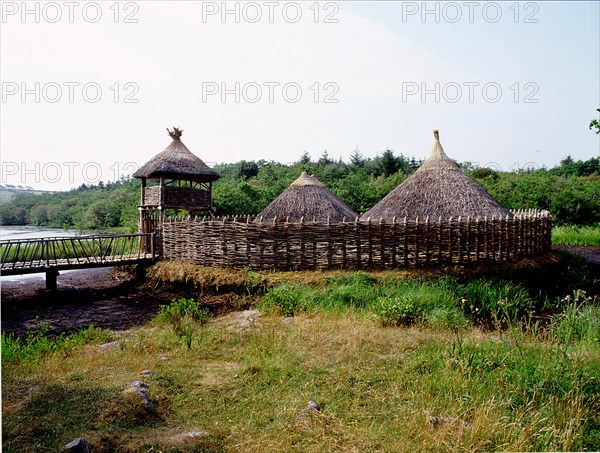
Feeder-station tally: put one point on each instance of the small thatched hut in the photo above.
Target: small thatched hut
(184, 180)
(437, 189)
(309, 199)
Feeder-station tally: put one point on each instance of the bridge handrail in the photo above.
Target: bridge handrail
(39, 252)
(62, 238)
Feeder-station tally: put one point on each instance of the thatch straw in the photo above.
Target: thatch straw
(437, 189)
(176, 161)
(309, 199)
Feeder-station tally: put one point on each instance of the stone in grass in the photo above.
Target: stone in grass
(146, 373)
(79, 445)
(113, 345)
(248, 314)
(191, 435)
(148, 404)
(140, 389)
(311, 408)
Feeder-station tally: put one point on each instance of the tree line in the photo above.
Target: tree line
(570, 191)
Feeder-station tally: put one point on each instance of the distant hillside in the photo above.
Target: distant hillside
(9, 191)
(570, 191)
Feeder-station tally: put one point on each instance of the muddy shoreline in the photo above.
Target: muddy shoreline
(118, 298)
(112, 298)
(105, 297)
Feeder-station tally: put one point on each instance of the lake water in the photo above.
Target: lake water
(31, 232)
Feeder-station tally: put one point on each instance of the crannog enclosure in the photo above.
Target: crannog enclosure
(240, 242)
(436, 216)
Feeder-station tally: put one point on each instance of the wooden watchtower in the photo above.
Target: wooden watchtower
(174, 179)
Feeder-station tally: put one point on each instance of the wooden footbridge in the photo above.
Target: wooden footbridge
(53, 254)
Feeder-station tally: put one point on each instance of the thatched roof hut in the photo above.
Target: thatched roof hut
(437, 189)
(176, 161)
(184, 181)
(309, 199)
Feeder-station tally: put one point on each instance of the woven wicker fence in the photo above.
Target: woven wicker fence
(239, 243)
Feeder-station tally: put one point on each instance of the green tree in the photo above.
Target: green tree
(247, 170)
(595, 124)
(305, 158)
(325, 159)
(357, 159)
(388, 163)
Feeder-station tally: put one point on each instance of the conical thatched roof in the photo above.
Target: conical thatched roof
(307, 198)
(177, 162)
(437, 189)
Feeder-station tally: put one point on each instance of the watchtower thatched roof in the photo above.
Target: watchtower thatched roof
(307, 198)
(176, 161)
(437, 189)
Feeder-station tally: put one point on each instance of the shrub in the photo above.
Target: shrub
(415, 302)
(183, 314)
(500, 301)
(283, 298)
(397, 311)
(579, 322)
(181, 308)
(359, 278)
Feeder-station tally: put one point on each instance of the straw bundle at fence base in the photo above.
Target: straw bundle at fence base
(239, 242)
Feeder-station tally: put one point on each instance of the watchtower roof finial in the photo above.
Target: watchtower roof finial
(175, 134)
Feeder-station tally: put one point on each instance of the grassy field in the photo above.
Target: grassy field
(576, 235)
(394, 364)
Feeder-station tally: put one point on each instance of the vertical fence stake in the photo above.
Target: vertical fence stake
(416, 251)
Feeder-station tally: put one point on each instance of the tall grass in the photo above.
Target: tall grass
(442, 301)
(578, 322)
(184, 316)
(576, 235)
(32, 348)
(376, 386)
(488, 301)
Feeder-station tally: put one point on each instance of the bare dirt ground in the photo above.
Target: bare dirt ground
(107, 297)
(590, 253)
(112, 298)
(103, 297)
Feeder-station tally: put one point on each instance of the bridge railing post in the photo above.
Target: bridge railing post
(46, 248)
(152, 245)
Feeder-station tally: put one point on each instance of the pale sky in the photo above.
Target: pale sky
(508, 84)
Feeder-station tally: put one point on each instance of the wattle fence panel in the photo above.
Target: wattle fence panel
(239, 242)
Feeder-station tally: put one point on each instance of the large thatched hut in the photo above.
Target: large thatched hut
(307, 199)
(181, 180)
(437, 189)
